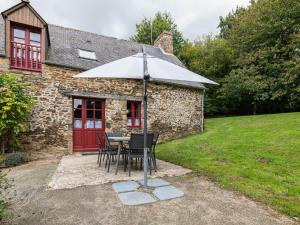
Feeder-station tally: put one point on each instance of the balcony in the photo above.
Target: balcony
(25, 57)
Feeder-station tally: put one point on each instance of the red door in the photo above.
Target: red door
(88, 119)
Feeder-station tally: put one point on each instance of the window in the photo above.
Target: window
(25, 48)
(94, 113)
(88, 113)
(77, 111)
(133, 114)
(87, 54)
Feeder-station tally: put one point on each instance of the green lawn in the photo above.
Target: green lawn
(258, 156)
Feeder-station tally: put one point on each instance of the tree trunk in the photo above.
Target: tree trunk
(3, 147)
(254, 108)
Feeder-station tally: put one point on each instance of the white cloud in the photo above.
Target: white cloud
(118, 18)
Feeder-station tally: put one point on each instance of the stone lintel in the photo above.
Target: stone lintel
(102, 96)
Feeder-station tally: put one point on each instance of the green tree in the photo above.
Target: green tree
(211, 57)
(15, 106)
(267, 40)
(161, 22)
(228, 21)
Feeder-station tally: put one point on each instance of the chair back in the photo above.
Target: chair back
(137, 141)
(155, 138)
(99, 140)
(114, 134)
(107, 142)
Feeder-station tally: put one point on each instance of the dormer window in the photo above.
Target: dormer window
(87, 54)
(25, 48)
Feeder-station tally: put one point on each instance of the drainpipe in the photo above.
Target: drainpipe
(202, 111)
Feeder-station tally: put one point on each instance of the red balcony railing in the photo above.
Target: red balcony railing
(25, 57)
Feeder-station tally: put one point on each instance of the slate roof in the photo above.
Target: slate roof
(65, 43)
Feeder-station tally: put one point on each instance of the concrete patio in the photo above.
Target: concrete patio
(77, 170)
(204, 203)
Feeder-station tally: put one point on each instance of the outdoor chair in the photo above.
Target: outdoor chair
(155, 139)
(114, 134)
(110, 134)
(101, 151)
(136, 149)
(111, 151)
(104, 150)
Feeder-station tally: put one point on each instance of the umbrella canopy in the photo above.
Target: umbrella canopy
(132, 68)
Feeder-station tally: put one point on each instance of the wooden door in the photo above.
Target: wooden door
(88, 119)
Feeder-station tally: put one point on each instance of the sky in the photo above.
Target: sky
(117, 18)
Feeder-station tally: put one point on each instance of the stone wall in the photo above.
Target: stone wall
(164, 41)
(172, 111)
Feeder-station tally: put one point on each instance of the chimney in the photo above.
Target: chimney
(165, 42)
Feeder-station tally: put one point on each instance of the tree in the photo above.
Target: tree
(15, 106)
(161, 22)
(266, 38)
(227, 22)
(211, 57)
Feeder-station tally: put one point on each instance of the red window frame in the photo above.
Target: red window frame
(84, 111)
(131, 109)
(25, 56)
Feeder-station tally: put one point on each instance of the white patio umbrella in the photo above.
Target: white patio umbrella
(144, 67)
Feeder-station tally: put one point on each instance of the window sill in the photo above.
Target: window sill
(139, 127)
(25, 69)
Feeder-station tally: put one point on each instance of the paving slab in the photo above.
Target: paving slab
(155, 182)
(167, 192)
(136, 198)
(125, 186)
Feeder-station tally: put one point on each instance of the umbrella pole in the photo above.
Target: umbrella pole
(146, 78)
(145, 135)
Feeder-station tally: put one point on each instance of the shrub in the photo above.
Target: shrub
(15, 106)
(14, 159)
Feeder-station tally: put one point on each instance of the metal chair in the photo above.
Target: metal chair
(155, 139)
(136, 149)
(111, 134)
(101, 151)
(110, 151)
(114, 134)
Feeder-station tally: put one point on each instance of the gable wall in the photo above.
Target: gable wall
(172, 111)
(26, 17)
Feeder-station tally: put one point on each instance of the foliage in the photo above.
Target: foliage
(5, 183)
(161, 22)
(211, 57)
(255, 155)
(226, 23)
(14, 159)
(267, 39)
(255, 58)
(15, 106)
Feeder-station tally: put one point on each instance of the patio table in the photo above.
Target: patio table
(120, 140)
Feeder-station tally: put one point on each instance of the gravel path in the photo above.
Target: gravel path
(204, 203)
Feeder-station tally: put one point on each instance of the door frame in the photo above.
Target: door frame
(83, 116)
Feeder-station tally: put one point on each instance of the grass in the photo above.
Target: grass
(258, 156)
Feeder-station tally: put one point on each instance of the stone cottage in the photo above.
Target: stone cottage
(68, 111)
